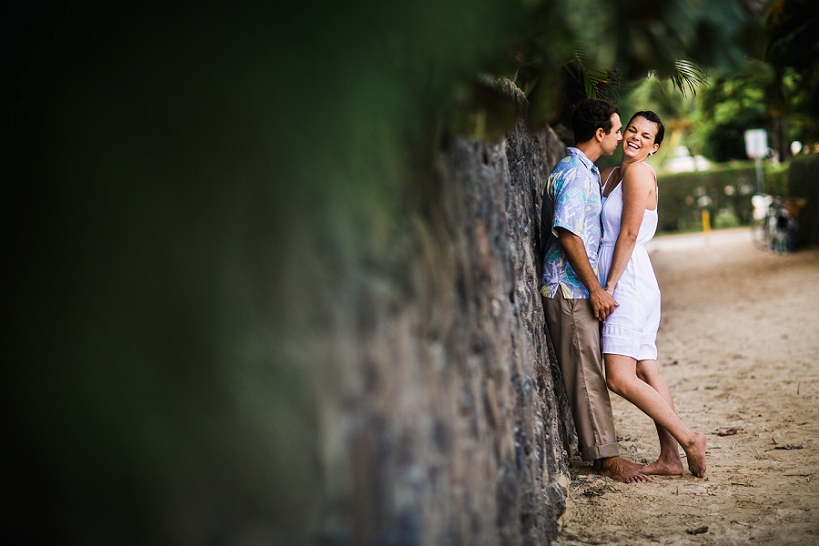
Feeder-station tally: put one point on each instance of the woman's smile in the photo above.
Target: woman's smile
(639, 138)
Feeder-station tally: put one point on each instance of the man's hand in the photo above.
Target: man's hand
(602, 303)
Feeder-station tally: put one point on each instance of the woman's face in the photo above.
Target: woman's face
(638, 140)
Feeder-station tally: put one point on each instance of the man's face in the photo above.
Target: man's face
(611, 140)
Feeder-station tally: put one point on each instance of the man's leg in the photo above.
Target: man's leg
(576, 337)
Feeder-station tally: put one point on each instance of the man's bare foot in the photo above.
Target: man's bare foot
(696, 455)
(632, 464)
(598, 465)
(616, 469)
(663, 467)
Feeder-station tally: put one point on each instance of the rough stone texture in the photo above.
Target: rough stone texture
(441, 422)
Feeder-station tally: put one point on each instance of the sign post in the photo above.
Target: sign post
(756, 146)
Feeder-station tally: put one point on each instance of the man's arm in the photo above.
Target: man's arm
(602, 302)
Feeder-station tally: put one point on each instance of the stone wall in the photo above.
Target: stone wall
(445, 425)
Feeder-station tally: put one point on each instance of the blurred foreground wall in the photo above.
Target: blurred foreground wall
(238, 317)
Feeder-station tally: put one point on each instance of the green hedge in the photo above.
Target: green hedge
(803, 181)
(724, 190)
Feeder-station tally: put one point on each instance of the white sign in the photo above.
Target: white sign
(756, 143)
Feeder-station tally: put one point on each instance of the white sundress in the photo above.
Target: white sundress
(631, 330)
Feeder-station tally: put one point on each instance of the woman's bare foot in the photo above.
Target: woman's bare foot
(696, 455)
(663, 467)
(618, 469)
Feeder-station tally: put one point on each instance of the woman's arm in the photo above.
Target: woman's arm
(638, 184)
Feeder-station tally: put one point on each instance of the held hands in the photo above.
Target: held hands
(602, 301)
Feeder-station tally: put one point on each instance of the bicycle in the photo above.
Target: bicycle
(776, 229)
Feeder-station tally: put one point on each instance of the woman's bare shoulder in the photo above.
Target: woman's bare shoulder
(639, 174)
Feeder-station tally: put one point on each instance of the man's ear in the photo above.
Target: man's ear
(599, 134)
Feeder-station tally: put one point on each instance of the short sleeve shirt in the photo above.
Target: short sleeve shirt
(572, 200)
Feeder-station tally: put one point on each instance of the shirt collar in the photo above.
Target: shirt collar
(571, 150)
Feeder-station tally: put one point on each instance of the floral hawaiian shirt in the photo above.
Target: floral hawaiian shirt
(572, 200)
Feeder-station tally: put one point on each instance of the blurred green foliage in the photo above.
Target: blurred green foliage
(778, 91)
(734, 103)
(776, 180)
(730, 106)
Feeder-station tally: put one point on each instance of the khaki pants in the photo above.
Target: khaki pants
(576, 337)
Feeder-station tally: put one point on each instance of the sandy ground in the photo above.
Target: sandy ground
(739, 348)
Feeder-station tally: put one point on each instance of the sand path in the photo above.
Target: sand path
(739, 348)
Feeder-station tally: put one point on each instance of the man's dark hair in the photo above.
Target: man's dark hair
(654, 118)
(591, 115)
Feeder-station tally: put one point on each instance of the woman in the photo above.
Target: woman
(629, 221)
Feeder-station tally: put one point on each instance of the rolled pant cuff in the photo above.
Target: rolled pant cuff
(600, 452)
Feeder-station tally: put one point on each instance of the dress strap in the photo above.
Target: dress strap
(606, 183)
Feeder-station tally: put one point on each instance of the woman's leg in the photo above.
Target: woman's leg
(621, 376)
(669, 462)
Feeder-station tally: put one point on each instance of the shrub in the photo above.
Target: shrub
(725, 191)
(803, 181)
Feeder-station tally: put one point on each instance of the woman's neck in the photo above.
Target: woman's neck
(626, 161)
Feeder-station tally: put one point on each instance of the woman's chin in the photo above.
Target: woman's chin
(634, 155)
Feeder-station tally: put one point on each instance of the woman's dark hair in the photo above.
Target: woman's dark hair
(591, 115)
(654, 118)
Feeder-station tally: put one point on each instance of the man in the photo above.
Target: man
(573, 300)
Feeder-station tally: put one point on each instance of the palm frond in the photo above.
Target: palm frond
(688, 77)
(597, 82)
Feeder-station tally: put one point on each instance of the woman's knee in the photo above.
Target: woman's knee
(647, 370)
(618, 382)
(620, 374)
